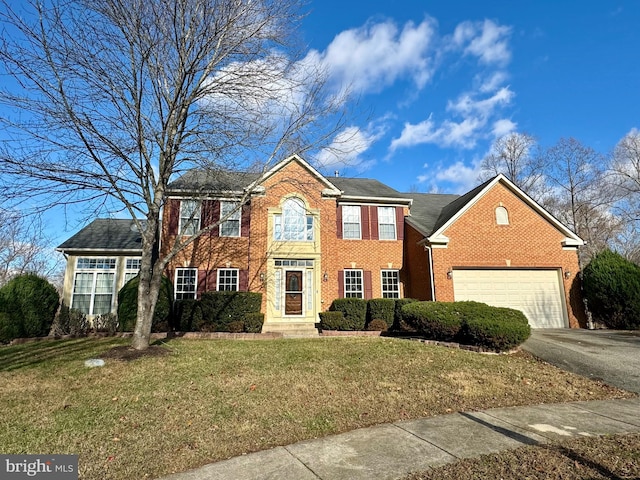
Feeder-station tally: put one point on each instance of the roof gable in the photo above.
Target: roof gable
(458, 207)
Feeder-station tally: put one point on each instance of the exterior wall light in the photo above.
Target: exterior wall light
(450, 274)
(325, 277)
(262, 277)
(567, 273)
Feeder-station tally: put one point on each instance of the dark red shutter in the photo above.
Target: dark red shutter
(368, 291)
(173, 206)
(206, 213)
(400, 222)
(243, 280)
(206, 281)
(245, 220)
(339, 221)
(375, 234)
(215, 218)
(364, 220)
(340, 283)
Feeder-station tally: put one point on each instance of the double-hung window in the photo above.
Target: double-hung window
(186, 283)
(351, 221)
(387, 223)
(230, 215)
(293, 224)
(353, 284)
(131, 268)
(390, 284)
(189, 217)
(93, 285)
(228, 279)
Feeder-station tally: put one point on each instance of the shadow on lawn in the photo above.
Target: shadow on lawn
(39, 353)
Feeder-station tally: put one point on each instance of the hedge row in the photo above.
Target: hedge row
(471, 323)
(220, 312)
(360, 314)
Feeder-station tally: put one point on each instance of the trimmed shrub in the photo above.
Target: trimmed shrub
(253, 322)
(611, 286)
(496, 333)
(187, 315)
(399, 324)
(437, 320)
(377, 325)
(78, 323)
(236, 326)
(219, 309)
(354, 311)
(128, 306)
(107, 322)
(381, 309)
(30, 304)
(332, 321)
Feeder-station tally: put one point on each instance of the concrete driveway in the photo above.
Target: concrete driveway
(612, 356)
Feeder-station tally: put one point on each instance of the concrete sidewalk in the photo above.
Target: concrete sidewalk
(391, 451)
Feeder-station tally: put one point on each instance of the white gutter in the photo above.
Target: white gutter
(392, 200)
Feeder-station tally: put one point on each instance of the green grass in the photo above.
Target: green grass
(210, 400)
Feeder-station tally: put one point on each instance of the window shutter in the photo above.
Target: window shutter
(245, 220)
(339, 221)
(215, 218)
(364, 220)
(368, 291)
(206, 213)
(243, 280)
(340, 283)
(375, 235)
(206, 281)
(173, 206)
(400, 223)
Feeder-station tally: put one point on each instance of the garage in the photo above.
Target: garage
(537, 293)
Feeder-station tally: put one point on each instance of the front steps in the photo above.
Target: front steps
(291, 329)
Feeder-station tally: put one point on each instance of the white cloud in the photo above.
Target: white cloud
(372, 57)
(502, 127)
(493, 82)
(486, 40)
(466, 104)
(348, 146)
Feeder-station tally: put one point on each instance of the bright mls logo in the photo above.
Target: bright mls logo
(50, 467)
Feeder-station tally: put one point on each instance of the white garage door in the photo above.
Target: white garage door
(537, 293)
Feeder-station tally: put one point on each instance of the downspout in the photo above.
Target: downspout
(431, 276)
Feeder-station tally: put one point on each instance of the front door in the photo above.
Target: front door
(293, 292)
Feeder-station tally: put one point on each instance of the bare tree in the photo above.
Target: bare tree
(25, 249)
(114, 98)
(515, 156)
(581, 198)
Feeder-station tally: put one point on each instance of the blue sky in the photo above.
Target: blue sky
(442, 79)
(437, 81)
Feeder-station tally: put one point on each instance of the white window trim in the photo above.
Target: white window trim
(94, 272)
(192, 222)
(237, 212)
(392, 222)
(361, 282)
(237, 270)
(175, 283)
(344, 216)
(126, 271)
(382, 292)
(279, 220)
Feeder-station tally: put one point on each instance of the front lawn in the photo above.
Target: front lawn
(210, 400)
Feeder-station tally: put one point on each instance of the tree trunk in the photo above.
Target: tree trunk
(150, 281)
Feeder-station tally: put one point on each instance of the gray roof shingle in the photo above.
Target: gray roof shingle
(105, 234)
(427, 209)
(366, 187)
(213, 181)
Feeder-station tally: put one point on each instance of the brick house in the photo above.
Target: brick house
(303, 240)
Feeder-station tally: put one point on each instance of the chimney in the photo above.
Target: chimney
(336, 173)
